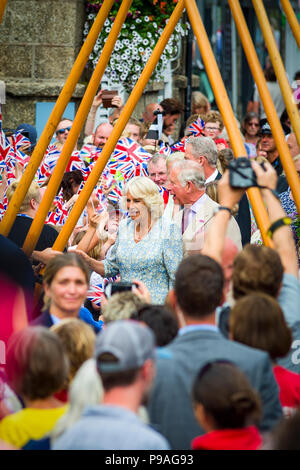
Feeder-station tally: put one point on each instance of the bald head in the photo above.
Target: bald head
(148, 115)
(102, 134)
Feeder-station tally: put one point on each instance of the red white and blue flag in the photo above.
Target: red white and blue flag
(196, 128)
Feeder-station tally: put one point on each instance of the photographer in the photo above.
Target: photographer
(260, 268)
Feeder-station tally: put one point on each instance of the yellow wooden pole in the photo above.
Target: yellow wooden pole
(47, 134)
(118, 128)
(86, 102)
(2, 8)
(292, 19)
(226, 111)
(281, 144)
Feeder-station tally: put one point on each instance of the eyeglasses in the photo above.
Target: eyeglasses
(62, 131)
(255, 124)
(212, 128)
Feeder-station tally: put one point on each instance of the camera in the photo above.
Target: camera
(241, 173)
(114, 287)
(107, 96)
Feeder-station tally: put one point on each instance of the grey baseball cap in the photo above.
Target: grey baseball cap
(130, 342)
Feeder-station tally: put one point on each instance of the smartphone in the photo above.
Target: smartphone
(114, 287)
(107, 96)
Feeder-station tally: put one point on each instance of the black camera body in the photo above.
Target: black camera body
(114, 287)
(241, 173)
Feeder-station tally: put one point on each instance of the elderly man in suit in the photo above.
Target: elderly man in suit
(203, 150)
(198, 291)
(187, 185)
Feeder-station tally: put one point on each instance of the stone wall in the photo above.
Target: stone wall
(39, 42)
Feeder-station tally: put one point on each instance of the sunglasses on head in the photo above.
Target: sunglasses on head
(62, 131)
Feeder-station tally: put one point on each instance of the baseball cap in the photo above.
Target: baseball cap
(130, 342)
(266, 129)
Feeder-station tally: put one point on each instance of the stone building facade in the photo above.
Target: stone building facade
(39, 42)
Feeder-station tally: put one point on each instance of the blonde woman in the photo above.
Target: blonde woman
(148, 246)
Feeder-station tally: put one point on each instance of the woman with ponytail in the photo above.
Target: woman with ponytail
(227, 408)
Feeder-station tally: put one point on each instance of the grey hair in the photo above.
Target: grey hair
(155, 159)
(189, 170)
(204, 146)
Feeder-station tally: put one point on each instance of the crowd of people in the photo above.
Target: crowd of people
(166, 323)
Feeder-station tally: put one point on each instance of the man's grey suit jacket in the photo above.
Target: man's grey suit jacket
(170, 406)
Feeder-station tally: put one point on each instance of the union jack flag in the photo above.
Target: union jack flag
(129, 158)
(75, 162)
(165, 149)
(96, 292)
(89, 153)
(19, 140)
(179, 146)
(59, 214)
(196, 128)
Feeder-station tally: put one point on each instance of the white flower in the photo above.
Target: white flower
(138, 20)
(120, 68)
(123, 26)
(146, 18)
(132, 27)
(149, 35)
(141, 49)
(145, 42)
(107, 30)
(86, 32)
(134, 77)
(91, 16)
(154, 25)
(135, 51)
(137, 68)
(107, 22)
(126, 42)
(91, 56)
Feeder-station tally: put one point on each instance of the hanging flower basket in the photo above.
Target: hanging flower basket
(144, 24)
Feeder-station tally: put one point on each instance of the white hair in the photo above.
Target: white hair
(142, 187)
(189, 170)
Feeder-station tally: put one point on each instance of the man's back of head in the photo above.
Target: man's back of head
(198, 147)
(198, 286)
(121, 350)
